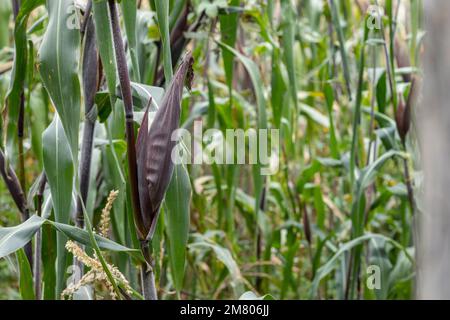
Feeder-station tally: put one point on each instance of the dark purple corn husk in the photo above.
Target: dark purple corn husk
(154, 148)
(90, 85)
(403, 114)
(306, 225)
(141, 145)
(13, 185)
(399, 119)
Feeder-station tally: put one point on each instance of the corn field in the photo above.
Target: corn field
(217, 149)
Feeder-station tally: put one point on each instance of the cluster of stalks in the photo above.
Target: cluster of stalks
(148, 156)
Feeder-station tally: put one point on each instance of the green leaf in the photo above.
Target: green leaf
(48, 262)
(14, 238)
(26, 277)
(141, 97)
(278, 89)
(288, 28)
(366, 177)
(358, 102)
(177, 219)
(329, 98)
(256, 79)
(323, 271)
(162, 13)
(38, 123)
(340, 33)
(225, 256)
(59, 56)
(381, 93)
(5, 14)
(19, 70)
(82, 236)
(105, 44)
(58, 168)
(142, 94)
(315, 115)
(257, 82)
(129, 10)
(228, 31)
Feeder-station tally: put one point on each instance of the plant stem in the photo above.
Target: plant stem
(390, 69)
(147, 275)
(15, 7)
(262, 207)
(125, 87)
(20, 125)
(148, 282)
(22, 207)
(38, 240)
(14, 188)
(90, 84)
(409, 187)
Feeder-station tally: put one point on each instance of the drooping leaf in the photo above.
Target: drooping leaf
(14, 238)
(224, 255)
(82, 237)
(323, 271)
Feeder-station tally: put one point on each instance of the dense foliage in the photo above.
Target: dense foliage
(87, 193)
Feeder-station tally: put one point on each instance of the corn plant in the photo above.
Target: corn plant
(100, 96)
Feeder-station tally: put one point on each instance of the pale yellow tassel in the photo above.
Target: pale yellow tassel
(105, 219)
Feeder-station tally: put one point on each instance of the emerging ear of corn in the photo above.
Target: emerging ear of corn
(154, 147)
(403, 115)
